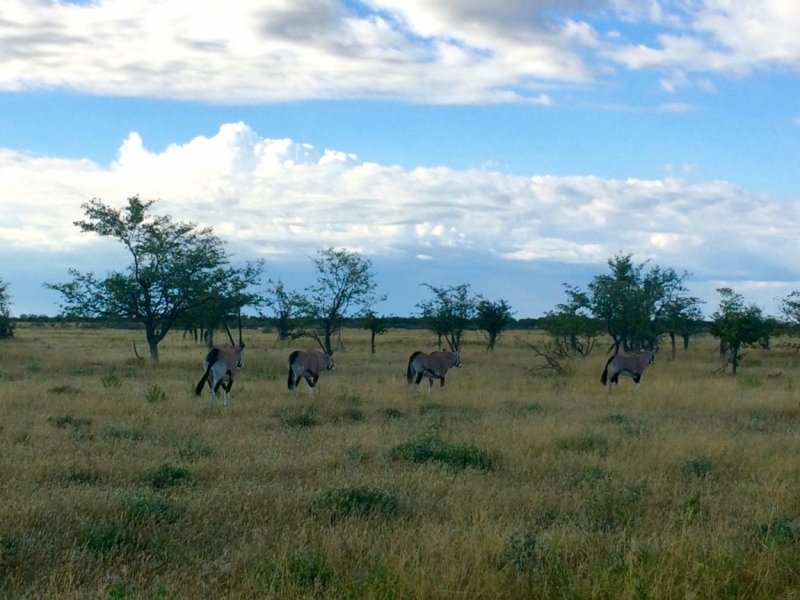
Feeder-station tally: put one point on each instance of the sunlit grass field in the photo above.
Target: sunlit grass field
(117, 483)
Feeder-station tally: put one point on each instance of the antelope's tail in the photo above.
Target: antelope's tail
(199, 388)
(604, 376)
(410, 369)
(291, 382)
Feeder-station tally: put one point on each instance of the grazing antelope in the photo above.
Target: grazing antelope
(220, 365)
(433, 366)
(631, 365)
(308, 364)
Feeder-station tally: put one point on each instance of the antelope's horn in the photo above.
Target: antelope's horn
(230, 337)
(240, 327)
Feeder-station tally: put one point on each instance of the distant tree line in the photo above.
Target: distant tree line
(180, 277)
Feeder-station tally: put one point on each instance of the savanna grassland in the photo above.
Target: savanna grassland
(116, 482)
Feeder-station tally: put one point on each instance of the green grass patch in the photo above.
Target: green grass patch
(193, 451)
(308, 570)
(304, 420)
(454, 456)
(392, 413)
(585, 442)
(67, 390)
(698, 466)
(357, 501)
(166, 475)
(781, 531)
(121, 433)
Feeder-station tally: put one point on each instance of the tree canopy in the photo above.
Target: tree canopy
(738, 324)
(630, 301)
(345, 287)
(493, 318)
(449, 313)
(177, 271)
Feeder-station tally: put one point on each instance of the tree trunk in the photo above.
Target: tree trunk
(328, 346)
(723, 347)
(735, 358)
(573, 342)
(152, 340)
(672, 339)
(210, 338)
(685, 342)
(372, 341)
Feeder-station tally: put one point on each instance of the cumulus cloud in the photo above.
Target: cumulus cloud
(277, 198)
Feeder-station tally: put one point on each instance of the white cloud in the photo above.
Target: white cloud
(460, 51)
(719, 36)
(246, 51)
(271, 197)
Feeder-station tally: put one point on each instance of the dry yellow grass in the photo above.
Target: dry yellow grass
(687, 489)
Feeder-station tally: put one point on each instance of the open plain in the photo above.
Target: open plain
(117, 483)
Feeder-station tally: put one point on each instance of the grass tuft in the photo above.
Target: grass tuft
(699, 466)
(779, 532)
(585, 442)
(111, 381)
(304, 420)
(118, 433)
(309, 570)
(520, 551)
(193, 451)
(166, 475)
(155, 395)
(65, 390)
(80, 477)
(357, 501)
(354, 415)
(392, 413)
(454, 456)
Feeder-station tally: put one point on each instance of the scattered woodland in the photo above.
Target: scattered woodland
(523, 477)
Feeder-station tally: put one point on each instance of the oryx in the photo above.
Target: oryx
(433, 366)
(220, 365)
(308, 364)
(631, 365)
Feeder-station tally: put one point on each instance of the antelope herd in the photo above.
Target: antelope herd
(221, 364)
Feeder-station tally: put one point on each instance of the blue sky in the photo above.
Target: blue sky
(513, 145)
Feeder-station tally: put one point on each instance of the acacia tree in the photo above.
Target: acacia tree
(6, 327)
(449, 313)
(682, 317)
(175, 270)
(493, 318)
(737, 324)
(375, 325)
(630, 301)
(345, 287)
(288, 310)
(573, 330)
